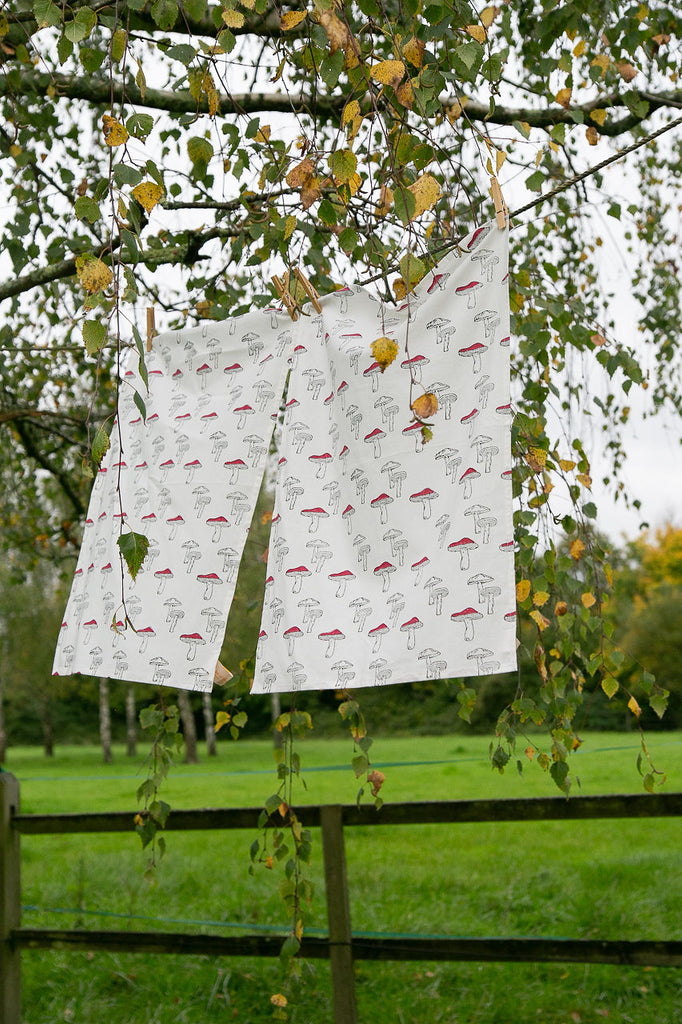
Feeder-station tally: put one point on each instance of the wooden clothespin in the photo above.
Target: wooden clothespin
(308, 289)
(151, 327)
(501, 212)
(283, 289)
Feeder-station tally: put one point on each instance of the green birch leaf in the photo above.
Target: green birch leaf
(94, 333)
(64, 49)
(87, 209)
(405, 205)
(182, 52)
(343, 164)
(118, 44)
(165, 13)
(100, 446)
(139, 402)
(195, 8)
(133, 547)
(47, 14)
(289, 948)
(140, 125)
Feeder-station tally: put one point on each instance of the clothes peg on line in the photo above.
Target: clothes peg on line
(151, 327)
(283, 289)
(501, 212)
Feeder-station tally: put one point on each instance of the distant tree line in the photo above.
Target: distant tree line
(37, 708)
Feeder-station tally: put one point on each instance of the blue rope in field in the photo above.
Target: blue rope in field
(318, 768)
(277, 930)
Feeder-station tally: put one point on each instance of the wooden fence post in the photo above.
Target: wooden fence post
(10, 902)
(338, 914)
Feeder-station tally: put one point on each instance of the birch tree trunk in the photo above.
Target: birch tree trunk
(105, 721)
(131, 723)
(188, 728)
(209, 724)
(3, 735)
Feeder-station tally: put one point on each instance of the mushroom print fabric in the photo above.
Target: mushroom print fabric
(188, 479)
(391, 560)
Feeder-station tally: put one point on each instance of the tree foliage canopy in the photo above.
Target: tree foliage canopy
(178, 154)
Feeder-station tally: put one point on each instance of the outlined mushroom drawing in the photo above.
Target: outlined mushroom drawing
(377, 634)
(314, 515)
(342, 579)
(374, 438)
(463, 547)
(331, 639)
(424, 498)
(191, 468)
(297, 575)
(210, 581)
(468, 616)
(361, 610)
(410, 628)
(466, 480)
(321, 464)
(418, 569)
(145, 635)
(163, 576)
(469, 292)
(219, 523)
(479, 655)
(474, 352)
(291, 635)
(384, 571)
(347, 516)
(479, 580)
(381, 502)
(193, 641)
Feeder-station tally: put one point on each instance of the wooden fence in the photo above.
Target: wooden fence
(340, 947)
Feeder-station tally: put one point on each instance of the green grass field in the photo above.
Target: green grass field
(613, 880)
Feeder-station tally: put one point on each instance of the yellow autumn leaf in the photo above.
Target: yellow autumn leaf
(488, 15)
(537, 457)
(592, 135)
(115, 133)
(263, 134)
(563, 97)
(597, 340)
(476, 32)
(626, 71)
(405, 94)
(399, 289)
(610, 686)
(601, 61)
(576, 549)
(301, 173)
(426, 192)
(634, 707)
(299, 930)
(566, 465)
(456, 109)
(233, 19)
(289, 227)
(384, 351)
(588, 600)
(385, 201)
(522, 590)
(278, 1000)
(500, 157)
(539, 619)
(93, 274)
(530, 753)
(388, 72)
(413, 51)
(540, 598)
(579, 48)
(337, 32)
(15, 150)
(608, 572)
(598, 116)
(425, 406)
(560, 608)
(350, 112)
(585, 479)
(148, 194)
(291, 19)
(354, 183)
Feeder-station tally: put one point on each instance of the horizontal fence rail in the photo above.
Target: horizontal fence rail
(341, 946)
(427, 812)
